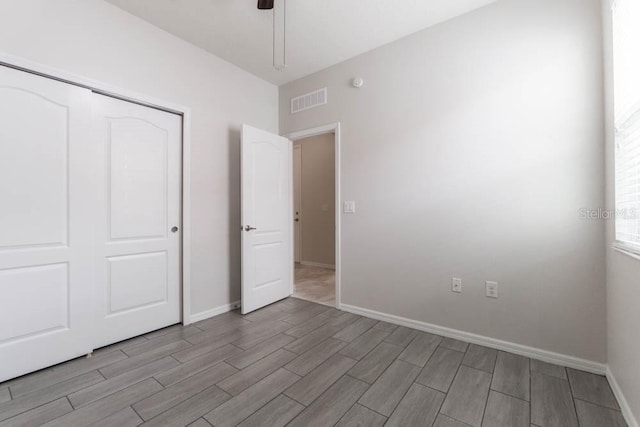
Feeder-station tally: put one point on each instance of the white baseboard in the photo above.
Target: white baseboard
(318, 264)
(622, 401)
(214, 311)
(522, 350)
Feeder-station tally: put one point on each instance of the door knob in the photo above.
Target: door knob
(249, 228)
(174, 229)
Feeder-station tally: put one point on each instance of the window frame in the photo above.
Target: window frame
(626, 121)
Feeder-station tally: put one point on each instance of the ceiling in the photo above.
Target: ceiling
(320, 33)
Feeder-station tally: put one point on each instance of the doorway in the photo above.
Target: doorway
(316, 215)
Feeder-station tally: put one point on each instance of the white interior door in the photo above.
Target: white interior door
(297, 202)
(138, 218)
(267, 270)
(46, 235)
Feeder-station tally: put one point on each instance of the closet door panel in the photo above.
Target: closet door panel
(46, 234)
(138, 218)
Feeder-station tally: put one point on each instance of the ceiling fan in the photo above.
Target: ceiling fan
(281, 63)
(265, 4)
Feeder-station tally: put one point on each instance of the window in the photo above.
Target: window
(626, 41)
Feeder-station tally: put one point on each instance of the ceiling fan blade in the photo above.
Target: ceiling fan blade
(265, 4)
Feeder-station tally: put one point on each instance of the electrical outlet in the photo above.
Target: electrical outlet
(456, 285)
(349, 207)
(492, 289)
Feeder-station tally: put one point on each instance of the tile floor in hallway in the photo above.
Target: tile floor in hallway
(298, 363)
(315, 284)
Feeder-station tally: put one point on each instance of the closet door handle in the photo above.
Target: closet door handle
(249, 228)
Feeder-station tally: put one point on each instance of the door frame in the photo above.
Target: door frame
(297, 248)
(32, 67)
(319, 130)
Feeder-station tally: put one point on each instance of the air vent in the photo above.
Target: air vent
(309, 100)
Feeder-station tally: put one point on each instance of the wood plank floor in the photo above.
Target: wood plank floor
(299, 363)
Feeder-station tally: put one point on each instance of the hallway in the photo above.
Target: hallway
(315, 284)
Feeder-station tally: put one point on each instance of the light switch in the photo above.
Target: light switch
(456, 285)
(349, 207)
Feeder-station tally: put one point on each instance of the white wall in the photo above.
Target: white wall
(94, 39)
(470, 151)
(623, 271)
(318, 199)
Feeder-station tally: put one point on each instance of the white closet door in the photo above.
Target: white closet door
(46, 228)
(138, 219)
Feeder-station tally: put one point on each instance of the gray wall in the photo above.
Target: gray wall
(623, 271)
(94, 39)
(318, 199)
(470, 151)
